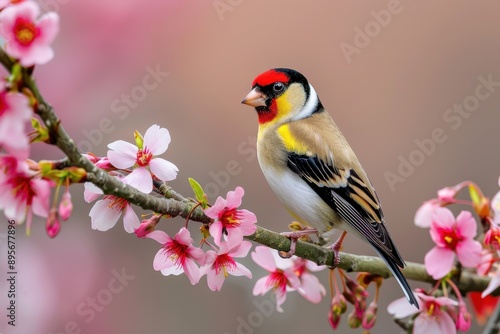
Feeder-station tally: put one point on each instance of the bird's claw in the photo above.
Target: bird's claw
(294, 236)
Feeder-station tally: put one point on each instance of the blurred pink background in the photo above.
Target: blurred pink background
(393, 90)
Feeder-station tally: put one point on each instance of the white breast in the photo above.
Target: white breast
(301, 200)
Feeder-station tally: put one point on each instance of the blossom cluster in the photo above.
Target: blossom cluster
(26, 185)
(457, 240)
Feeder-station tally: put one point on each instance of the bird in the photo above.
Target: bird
(313, 171)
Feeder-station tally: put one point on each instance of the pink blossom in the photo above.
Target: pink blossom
(452, 237)
(106, 212)
(23, 191)
(492, 236)
(221, 264)
(433, 316)
(52, 224)
(423, 216)
(15, 111)
(230, 222)
(310, 287)
(124, 155)
(178, 255)
(464, 318)
(280, 280)
(147, 226)
(27, 38)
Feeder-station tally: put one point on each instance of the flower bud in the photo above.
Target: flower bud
(52, 224)
(370, 316)
(65, 206)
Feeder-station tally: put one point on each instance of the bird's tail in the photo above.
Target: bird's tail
(396, 272)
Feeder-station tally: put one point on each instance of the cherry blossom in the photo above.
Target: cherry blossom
(23, 193)
(15, 111)
(178, 255)
(279, 279)
(106, 211)
(124, 155)
(230, 222)
(432, 317)
(221, 264)
(310, 287)
(27, 38)
(452, 237)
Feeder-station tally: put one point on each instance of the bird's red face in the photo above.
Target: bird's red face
(267, 88)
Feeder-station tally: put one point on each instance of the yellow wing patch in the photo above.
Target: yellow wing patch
(290, 142)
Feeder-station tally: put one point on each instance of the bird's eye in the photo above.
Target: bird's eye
(278, 86)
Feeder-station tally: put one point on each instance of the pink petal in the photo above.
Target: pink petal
(216, 210)
(235, 234)
(210, 257)
(311, 289)
(40, 203)
(469, 253)
(156, 139)
(423, 216)
(466, 224)
(261, 287)
(159, 236)
(163, 169)
(400, 308)
(234, 198)
(438, 262)
(161, 258)
(102, 216)
(192, 271)
(241, 270)
(197, 254)
(293, 280)
(492, 286)
(184, 237)
(443, 217)
(280, 299)
(130, 220)
(121, 154)
(215, 230)
(241, 250)
(36, 54)
(49, 27)
(172, 269)
(141, 179)
(215, 281)
(91, 192)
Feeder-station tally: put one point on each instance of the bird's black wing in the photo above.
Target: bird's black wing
(346, 193)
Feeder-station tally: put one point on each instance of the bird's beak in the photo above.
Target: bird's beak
(255, 98)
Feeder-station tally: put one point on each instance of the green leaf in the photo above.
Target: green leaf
(139, 140)
(474, 195)
(198, 192)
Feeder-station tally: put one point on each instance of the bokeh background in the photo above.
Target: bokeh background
(394, 89)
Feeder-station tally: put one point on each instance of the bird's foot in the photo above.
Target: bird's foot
(294, 236)
(337, 245)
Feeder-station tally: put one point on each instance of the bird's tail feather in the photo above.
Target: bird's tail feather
(396, 272)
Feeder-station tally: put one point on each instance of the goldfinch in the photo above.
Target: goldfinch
(312, 169)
